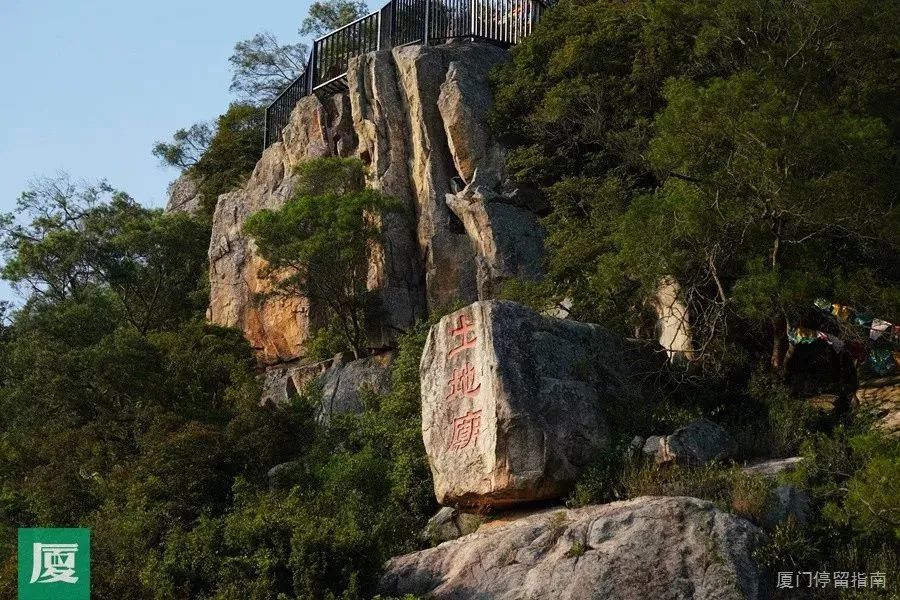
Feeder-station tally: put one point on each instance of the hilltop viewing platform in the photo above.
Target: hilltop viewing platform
(401, 23)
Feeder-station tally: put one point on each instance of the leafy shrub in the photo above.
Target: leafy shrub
(731, 489)
(605, 480)
(319, 244)
(788, 548)
(619, 474)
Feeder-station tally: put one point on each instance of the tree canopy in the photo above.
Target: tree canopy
(262, 68)
(748, 150)
(220, 156)
(124, 412)
(327, 15)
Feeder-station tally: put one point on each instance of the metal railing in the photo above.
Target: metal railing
(399, 23)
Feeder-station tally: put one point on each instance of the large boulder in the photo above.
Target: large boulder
(282, 382)
(449, 524)
(697, 443)
(650, 547)
(340, 381)
(513, 402)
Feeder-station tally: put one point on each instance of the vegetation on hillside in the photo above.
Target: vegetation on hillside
(748, 150)
(319, 244)
(122, 411)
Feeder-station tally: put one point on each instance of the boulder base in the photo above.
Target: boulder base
(650, 547)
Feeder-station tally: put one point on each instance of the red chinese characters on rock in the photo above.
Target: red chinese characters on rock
(462, 384)
(464, 330)
(465, 430)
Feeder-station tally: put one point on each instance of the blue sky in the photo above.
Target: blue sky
(91, 84)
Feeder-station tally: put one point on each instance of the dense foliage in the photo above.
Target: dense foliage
(327, 15)
(262, 68)
(746, 149)
(123, 412)
(218, 157)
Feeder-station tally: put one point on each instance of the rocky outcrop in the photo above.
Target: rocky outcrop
(773, 467)
(276, 327)
(650, 547)
(340, 381)
(697, 443)
(184, 195)
(449, 524)
(344, 381)
(282, 382)
(507, 239)
(881, 398)
(416, 116)
(673, 324)
(513, 402)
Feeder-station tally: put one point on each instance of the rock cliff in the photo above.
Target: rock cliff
(416, 116)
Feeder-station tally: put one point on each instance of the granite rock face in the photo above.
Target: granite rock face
(697, 443)
(184, 196)
(513, 402)
(649, 547)
(343, 381)
(340, 381)
(277, 328)
(881, 397)
(416, 116)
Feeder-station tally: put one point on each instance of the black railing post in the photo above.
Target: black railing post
(393, 22)
(427, 19)
(311, 77)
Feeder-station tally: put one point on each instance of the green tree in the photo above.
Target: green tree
(262, 67)
(80, 236)
(327, 15)
(186, 147)
(682, 141)
(320, 243)
(220, 157)
(767, 202)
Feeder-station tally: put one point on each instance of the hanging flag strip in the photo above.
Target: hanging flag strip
(881, 360)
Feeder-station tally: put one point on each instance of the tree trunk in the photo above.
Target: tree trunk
(779, 344)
